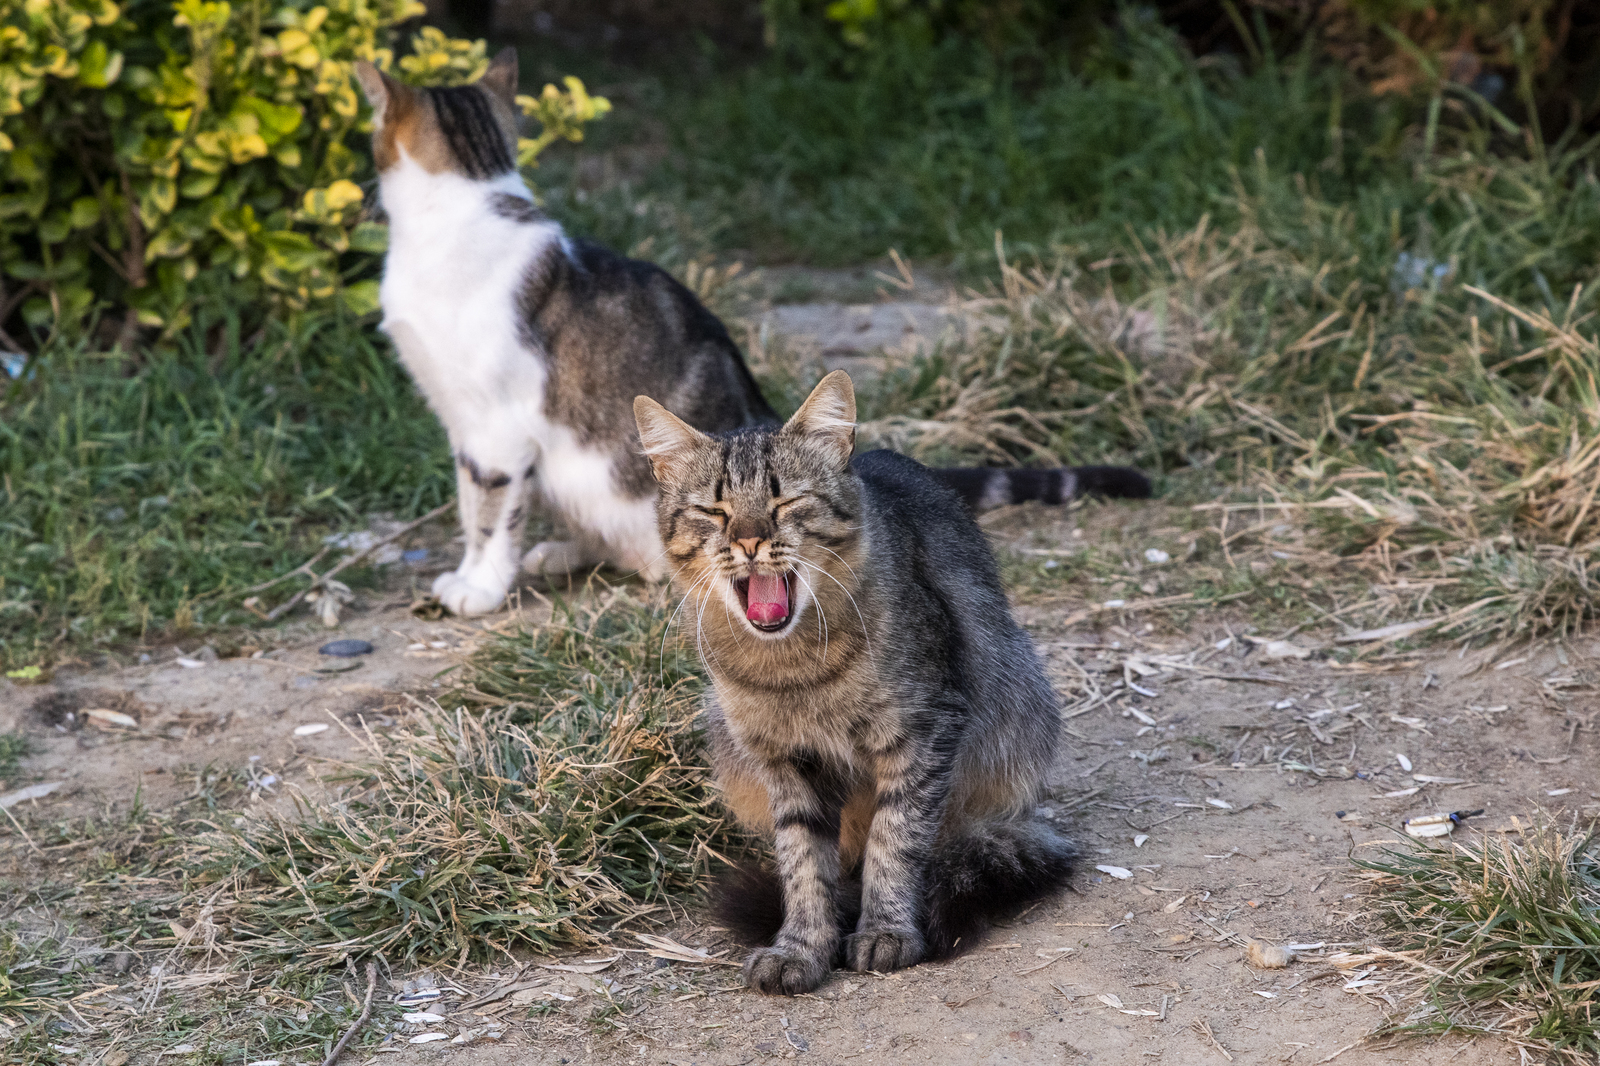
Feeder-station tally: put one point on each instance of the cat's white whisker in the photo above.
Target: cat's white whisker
(667, 629)
(866, 634)
(822, 617)
(839, 557)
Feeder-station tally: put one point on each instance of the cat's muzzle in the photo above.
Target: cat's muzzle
(766, 601)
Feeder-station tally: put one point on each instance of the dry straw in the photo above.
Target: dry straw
(1441, 446)
(564, 793)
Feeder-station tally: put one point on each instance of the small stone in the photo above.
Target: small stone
(346, 649)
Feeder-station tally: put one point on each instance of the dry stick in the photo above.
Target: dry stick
(35, 847)
(317, 582)
(303, 568)
(1341, 1051)
(366, 1012)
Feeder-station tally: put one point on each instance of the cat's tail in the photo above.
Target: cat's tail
(747, 900)
(996, 869)
(984, 488)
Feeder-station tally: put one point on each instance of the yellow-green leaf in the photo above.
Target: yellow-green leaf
(361, 298)
(85, 212)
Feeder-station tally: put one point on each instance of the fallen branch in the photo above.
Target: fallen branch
(366, 1012)
(318, 582)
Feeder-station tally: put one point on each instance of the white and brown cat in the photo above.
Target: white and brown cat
(531, 345)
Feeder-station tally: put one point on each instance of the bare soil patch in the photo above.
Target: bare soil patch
(1209, 774)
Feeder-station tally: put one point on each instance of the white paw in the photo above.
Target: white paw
(468, 593)
(556, 558)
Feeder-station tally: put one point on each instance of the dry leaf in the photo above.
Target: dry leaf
(661, 947)
(582, 965)
(39, 791)
(112, 718)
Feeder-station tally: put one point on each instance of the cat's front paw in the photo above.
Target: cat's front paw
(883, 949)
(463, 593)
(775, 972)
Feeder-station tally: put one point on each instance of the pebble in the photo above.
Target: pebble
(346, 649)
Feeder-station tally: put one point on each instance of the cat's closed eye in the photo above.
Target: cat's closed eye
(719, 510)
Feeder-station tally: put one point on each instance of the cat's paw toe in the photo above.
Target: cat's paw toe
(774, 972)
(883, 949)
(464, 595)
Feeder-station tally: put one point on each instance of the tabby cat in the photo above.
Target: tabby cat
(529, 346)
(874, 707)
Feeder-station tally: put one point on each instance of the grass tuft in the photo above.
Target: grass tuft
(571, 796)
(1511, 930)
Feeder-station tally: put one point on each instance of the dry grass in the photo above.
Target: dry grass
(561, 793)
(1509, 931)
(1435, 449)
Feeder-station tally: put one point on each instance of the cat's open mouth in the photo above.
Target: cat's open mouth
(765, 599)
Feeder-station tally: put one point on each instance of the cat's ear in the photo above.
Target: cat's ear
(669, 442)
(501, 78)
(386, 95)
(828, 417)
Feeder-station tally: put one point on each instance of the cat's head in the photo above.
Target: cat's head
(466, 129)
(764, 522)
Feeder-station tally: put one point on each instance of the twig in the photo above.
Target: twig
(317, 582)
(366, 1012)
(1202, 1027)
(1341, 1051)
(21, 830)
(303, 568)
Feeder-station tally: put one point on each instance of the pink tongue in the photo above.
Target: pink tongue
(768, 598)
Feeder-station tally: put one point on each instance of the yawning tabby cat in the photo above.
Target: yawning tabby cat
(874, 708)
(530, 346)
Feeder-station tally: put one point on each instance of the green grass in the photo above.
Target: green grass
(1509, 929)
(570, 795)
(933, 149)
(137, 494)
(14, 747)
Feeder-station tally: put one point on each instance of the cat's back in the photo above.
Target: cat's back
(913, 503)
(929, 540)
(612, 328)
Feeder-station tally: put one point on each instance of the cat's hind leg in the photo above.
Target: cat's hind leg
(557, 558)
(492, 495)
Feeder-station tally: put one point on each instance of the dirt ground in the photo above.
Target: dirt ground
(1220, 786)
(1208, 776)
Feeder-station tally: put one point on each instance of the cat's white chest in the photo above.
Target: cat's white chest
(450, 294)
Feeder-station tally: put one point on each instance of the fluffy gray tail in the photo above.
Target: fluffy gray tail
(997, 869)
(984, 488)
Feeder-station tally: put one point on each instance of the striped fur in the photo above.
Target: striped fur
(984, 488)
(891, 733)
(477, 140)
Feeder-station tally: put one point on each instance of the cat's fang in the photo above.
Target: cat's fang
(767, 600)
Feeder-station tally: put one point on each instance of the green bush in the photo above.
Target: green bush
(154, 153)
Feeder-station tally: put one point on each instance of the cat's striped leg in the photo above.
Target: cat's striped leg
(806, 798)
(913, 785)
(492, 498)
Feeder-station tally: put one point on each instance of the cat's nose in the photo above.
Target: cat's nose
(750, 545)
